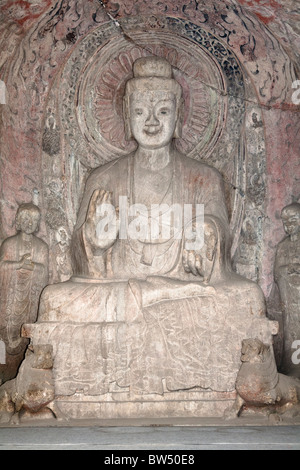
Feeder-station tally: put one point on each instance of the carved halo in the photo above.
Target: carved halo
(101, 89)
(90, 103)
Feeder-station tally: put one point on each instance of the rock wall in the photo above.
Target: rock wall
(48, 144)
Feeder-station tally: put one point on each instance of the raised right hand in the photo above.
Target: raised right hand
(102, 225)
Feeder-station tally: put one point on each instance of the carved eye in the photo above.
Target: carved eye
(164, 111)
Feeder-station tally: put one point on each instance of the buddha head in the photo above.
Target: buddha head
(153, 104)
(28, 218)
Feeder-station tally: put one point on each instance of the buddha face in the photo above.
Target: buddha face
(28, 221)
(153, 118)
(291, 220)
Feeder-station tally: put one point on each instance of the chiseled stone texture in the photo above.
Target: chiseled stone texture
(37, 38)
(152, 315)
(65, 65)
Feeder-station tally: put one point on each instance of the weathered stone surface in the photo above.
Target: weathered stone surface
(32, 390)
(23, 275)
(287, 277)
(65, 65)
(150, 312)
(267, 61)
(259, 383)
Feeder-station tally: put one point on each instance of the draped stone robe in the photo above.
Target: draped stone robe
(150, 326)
(192, 183)
(19, 296)
(288, 281)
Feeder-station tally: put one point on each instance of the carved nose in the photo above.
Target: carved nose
(152, 121)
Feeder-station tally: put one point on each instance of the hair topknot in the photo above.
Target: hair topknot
(152, 66)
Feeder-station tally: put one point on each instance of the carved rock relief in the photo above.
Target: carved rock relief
(92, 86)
(31, 71)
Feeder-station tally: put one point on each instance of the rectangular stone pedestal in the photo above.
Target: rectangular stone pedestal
(86, 385)
(170, 405)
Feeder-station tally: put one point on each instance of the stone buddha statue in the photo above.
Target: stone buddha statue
(155, 174)
(152, 308)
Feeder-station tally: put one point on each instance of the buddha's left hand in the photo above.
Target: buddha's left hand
(192, 262)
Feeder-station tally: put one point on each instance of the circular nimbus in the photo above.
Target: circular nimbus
(100, 92)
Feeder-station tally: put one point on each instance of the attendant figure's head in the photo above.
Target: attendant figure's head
(28, 218)
(153, 104)
(290, 216)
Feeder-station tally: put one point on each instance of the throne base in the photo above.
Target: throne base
(197, 404)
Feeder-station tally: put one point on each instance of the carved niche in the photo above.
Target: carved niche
(86, 103)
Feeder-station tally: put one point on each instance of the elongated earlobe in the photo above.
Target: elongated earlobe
(126, 116)
(179, 123)
(17, 224)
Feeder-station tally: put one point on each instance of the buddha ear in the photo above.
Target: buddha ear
(18, 225)
(180, 117)
(17, 221)
(126, 116)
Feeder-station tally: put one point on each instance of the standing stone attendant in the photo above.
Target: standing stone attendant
(23, 275)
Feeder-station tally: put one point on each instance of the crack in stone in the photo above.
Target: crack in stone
(116, 22)
(267, 107)
(128, 38)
